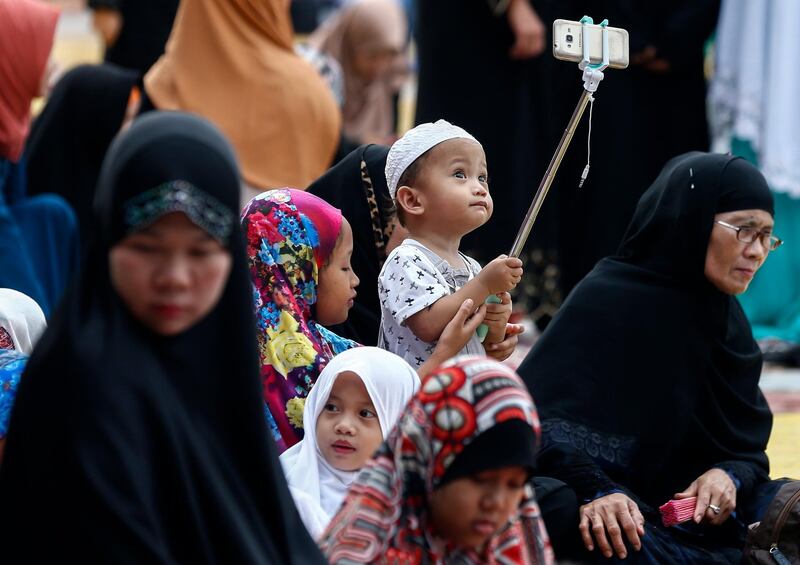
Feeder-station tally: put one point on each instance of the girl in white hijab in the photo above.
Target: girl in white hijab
(21, 321)
(354, 404)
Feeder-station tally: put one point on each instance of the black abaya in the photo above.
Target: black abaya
(648, 376)
(129, 447)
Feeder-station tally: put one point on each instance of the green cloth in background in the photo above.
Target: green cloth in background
(772, 303)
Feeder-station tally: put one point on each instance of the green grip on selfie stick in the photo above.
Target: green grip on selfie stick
(483, 329)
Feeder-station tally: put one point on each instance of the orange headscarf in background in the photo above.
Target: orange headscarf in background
(233, 62)
(27, 29)
(367, 25)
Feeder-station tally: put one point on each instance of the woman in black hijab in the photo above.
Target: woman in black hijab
(139, 435)
(647, 378)
(357, 186)
(70, 137)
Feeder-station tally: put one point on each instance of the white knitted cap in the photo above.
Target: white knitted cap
(414, 143)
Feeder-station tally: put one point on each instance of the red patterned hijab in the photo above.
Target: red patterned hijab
(384, 517)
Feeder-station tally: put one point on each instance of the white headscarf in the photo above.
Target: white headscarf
(21, 319)
(414, 143)
(318, 489)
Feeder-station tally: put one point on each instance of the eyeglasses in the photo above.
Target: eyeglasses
(748, 235)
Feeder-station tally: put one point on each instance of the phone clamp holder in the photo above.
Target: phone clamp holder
(592, 76)
(593, 72)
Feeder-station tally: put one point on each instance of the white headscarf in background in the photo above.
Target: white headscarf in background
(318, 488)
(22, 321)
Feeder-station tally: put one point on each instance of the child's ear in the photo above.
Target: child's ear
(409, 199)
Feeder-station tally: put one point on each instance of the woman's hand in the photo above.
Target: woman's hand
(455, 335)
(713, 489)
(609, 518)
(528, 29)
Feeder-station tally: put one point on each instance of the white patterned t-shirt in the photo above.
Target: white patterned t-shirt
(412, 279)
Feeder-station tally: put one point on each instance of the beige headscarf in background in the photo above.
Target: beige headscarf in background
(232, 62)
(367, 25)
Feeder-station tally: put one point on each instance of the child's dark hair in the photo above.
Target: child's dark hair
(338, 240)
(409, 178)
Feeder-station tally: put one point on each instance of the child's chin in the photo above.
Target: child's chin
(350, 464)
(347, 468)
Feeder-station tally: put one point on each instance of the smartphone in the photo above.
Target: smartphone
(568, 43)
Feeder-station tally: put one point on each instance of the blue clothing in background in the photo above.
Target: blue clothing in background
(11, 365)
(38, 239)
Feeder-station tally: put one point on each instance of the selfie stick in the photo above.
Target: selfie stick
(592, 75)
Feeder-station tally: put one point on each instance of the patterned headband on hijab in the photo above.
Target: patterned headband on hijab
(385, 512)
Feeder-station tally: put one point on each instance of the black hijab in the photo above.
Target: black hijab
(357, 186)
(129, 447)
(70, 137)
(647, 368)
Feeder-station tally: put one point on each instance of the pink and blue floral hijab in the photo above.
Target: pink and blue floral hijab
(290, 236)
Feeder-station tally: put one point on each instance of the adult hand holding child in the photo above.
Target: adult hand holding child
(455, 335)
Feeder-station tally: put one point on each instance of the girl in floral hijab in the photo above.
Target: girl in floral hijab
(298, 249)
(450, 483)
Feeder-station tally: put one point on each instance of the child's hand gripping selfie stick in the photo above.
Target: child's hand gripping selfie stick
(592, 75)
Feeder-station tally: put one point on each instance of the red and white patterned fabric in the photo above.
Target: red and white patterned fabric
(384, 517)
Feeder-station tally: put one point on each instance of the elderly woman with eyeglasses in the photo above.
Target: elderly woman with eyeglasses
(647, 379)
